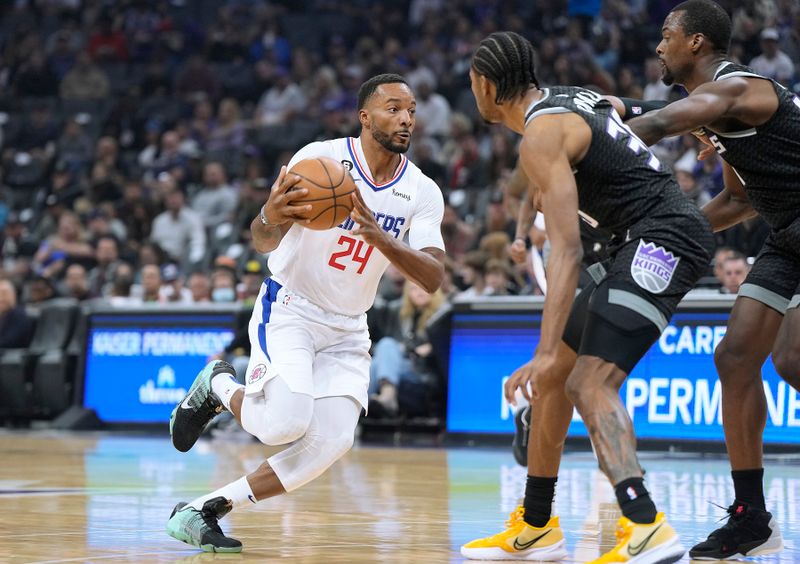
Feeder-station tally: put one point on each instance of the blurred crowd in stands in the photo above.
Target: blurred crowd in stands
(139, 138)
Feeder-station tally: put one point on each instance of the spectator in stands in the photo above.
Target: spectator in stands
(36, 136)
(773, 63)
(136, 212)
(106, 255)
(252, 277)
(473, 274)
(38, 290)
(223, 285)
(734, 271)
(85, 81)
(689, 186)
(216, 202)
(16, 326)
(200, 287)
(655, 89)
(67, 245)
(281, 102)
(708, 173)
(61, 49)
(107, 44)
(151, 284)
(197, 78)
(179, 231)
(172, 289)
(227, 134)
(74, 147)
(166, 158)
(720, 256)
(405, 353)
(425, 150)
(433, 110)
(35, 78)
(458, 236)
(746, 237)
(498, 278)
(76, 283)
(123, 291)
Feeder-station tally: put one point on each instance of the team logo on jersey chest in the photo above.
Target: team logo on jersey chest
(652, 267)
(348, 165)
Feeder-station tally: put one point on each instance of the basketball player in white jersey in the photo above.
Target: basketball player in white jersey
(308, 375)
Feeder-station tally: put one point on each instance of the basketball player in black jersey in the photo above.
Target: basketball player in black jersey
(754, 124)
(582, 159)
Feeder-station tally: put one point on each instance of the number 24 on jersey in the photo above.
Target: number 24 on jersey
(358, 251)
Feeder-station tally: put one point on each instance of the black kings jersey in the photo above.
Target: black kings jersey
(623, 189)
(766, 158)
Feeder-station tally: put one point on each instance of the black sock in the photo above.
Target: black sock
(748, 486)
(634, 501)
(539, 493)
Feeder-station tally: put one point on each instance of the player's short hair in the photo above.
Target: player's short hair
(709, 18)
(370, 86)
(507, 59)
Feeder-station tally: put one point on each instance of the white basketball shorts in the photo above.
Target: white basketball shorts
(316, 352)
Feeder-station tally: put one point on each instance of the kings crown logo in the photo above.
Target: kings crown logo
(652, 267)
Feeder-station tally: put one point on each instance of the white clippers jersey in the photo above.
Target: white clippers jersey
(338, 272)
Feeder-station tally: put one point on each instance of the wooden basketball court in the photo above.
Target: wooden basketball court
(89, 497)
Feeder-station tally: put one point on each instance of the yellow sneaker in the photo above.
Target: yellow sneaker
(520, 541)
(654, 543)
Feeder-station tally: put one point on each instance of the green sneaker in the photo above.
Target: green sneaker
(201, 528)
(199, 406)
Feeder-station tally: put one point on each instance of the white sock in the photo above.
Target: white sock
(238, 492)
(224, 385)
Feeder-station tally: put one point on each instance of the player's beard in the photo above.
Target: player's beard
(386, 142)
(666, 75)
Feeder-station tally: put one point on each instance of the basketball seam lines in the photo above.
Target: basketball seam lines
(330, 181)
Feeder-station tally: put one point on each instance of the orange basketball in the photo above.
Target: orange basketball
(329, 188)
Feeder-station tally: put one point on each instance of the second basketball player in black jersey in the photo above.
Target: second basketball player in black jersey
(754, 124)
(584, 162)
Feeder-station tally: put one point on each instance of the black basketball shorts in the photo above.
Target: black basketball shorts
(631, 299)
(774, 279)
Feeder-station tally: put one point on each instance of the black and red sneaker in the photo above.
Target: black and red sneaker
(748, 532)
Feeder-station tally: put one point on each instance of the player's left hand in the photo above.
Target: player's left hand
(528, 375)
(709, 148)
(367, 228)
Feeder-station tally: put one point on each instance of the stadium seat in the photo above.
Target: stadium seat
(26, 388)
(14, 387)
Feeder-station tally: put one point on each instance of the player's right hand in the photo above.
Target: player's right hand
(518, 251)
(280, 207)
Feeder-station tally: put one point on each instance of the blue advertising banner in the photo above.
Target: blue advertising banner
(673, 393)
(139, 367)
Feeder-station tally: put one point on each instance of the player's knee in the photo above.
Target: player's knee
(552, 382)
(787, 365)
(732, 362)
(577, 387)
(288, 430)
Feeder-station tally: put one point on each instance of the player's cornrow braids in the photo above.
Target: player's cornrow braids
(506, 58)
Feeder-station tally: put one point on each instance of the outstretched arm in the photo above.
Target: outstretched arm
(706, 104)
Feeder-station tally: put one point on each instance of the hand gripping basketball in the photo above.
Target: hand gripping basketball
(367, 228)
(281, 207)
